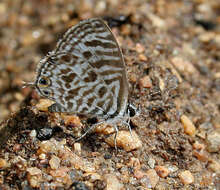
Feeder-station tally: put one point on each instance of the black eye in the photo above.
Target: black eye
(43, 81)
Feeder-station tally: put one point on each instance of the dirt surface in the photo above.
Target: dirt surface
(172, 55)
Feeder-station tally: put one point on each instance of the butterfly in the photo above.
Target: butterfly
(85, 74)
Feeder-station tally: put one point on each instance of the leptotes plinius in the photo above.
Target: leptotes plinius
(85, 74)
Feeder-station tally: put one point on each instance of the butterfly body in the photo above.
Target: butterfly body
(85, 74)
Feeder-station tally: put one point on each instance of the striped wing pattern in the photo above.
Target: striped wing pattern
(87, 71)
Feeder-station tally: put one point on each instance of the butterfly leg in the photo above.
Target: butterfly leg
(89, 130)
(128, 125)
(56, 108)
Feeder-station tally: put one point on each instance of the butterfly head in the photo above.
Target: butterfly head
(43, 82)
(53, 73)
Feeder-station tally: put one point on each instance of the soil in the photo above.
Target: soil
(172, 56)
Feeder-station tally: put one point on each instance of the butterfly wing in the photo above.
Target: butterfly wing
(90, 76)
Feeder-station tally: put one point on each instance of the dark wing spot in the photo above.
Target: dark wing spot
(61, 90)
(69, 97)
(90, 101)
(74, 92)
(109, 81)
(59, 82)
(69, 78)
(67, 85)
(66, 58)
(72, 76)
(112, 63)
(87, 54)
(102, 91)
(65, 71)
(92, 76)
(95, 43)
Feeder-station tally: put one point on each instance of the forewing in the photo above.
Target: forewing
(96, 60)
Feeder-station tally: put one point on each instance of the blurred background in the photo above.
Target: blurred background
(29, 29)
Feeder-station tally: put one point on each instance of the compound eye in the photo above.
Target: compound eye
(44, 82)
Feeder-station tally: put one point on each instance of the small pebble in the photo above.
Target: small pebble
(31, 37)
(104, 129)
(126, 29)
(152, 178)
(183, 66)
(213, 141)
(134, 163)
(199, 152)
(142, 57)
(17, 147)
(201, 155)
(198, 146)
(216, 120)
(162, 84)
(61, 172)
(34, 181)
(44, 104)
(45, 133)
(172, 168)
(71, 120)
(139, 48)
(19, 96)
(217, 75)
(77, 161)
(34, 177)
(186, 177)
(119, 165)
(125, 140)
(100, 7)
(3, 8)
(93, 176)
(145, 82)
(34, 171)
(189, 127)
(42, 156)
(157, 21)
(151, 162)
(133, 78)
(77, 148)
(49, 146)
(33, 133)
(112, 182)
(162, 171)
(206, 37)
(24, 21)
(207, 179)
(3, 163)
(62, 175)
(139, 174)
(54, 162)
(214, 165)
